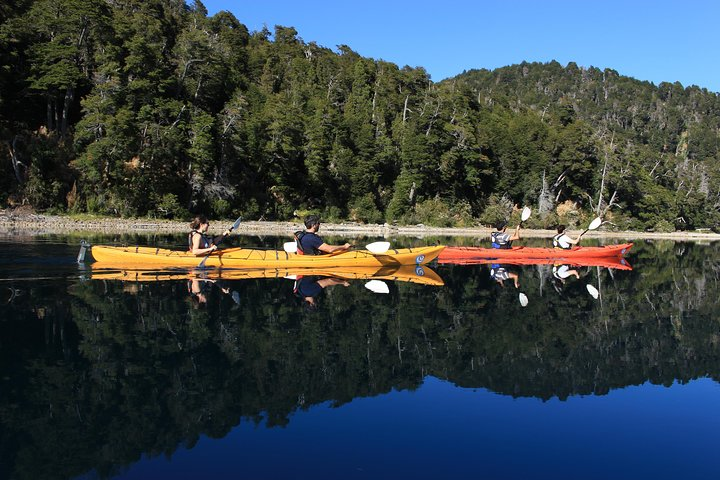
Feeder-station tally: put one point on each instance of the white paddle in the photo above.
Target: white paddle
(378, 247)
(523, 299)
(525, 214)
(377, 286)
(593, 225)
(593, 291)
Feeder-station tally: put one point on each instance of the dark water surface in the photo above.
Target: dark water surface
(237, 378)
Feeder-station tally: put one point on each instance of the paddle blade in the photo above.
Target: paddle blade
(523, 299)
(290, 247)
(525, 214)
(291, 277)
(236, 224)
(593, 291)
(202, 262)
(378, 247)
(595, 224)
(377, 286)
(83, 250)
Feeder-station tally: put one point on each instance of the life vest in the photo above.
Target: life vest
(556, 242)
(204, 241)
(497, 242)
(298, 236)
(298, 239)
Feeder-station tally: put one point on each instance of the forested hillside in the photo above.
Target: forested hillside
(153, 107)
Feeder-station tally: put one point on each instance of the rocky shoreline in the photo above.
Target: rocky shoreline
(13, 224)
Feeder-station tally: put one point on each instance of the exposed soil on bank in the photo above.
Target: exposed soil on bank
(23, 222)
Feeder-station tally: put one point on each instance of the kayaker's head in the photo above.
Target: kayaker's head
(200, 223)
(310, 304)
(312, 223)
(501, 225)
(560, 228)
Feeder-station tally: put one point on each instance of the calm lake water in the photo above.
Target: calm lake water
(235, 377)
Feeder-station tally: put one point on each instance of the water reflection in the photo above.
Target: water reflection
(109, 364)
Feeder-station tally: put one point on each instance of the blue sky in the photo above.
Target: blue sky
(653, 40)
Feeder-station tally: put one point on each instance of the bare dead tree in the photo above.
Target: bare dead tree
(15, 159)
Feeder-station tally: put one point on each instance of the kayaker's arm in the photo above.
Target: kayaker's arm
(515, 235)
(573, 241)
(325, 248)
(196, 250)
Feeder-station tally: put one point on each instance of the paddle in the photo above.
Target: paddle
(593, 291)
(524, 215)
(233, 227)
(376, 248)
(593, 225)
(523, 299)
(377, 286)
(84, 246)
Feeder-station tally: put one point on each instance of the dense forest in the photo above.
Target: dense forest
(154, 108)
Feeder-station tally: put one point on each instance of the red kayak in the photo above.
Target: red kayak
(618, 263)
(463, 254)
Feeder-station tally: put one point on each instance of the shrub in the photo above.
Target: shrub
(498, 208)
(363, 209)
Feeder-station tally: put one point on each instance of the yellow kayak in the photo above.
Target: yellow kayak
(257, 258)
(419, 274)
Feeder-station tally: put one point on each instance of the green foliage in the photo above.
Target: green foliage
(168, 206)
(663, 226)
(364, 210)
(157, 98)
(436, 212)
(499, 208)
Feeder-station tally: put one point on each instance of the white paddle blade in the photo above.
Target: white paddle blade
(593, 291)
(377, 286)
(525, 213)
(523, 299)
(378, 247)
(595, 224)
(290, 247)
(291, 277)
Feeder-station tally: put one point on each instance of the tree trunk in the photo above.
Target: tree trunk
(69, 96)
(49, 114)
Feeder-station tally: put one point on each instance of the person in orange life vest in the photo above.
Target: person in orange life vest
(563, 240)
(199, 243)
(310, 243)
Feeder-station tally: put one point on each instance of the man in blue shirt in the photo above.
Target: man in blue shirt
(310, 243)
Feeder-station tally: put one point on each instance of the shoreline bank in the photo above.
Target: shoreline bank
(12, 224)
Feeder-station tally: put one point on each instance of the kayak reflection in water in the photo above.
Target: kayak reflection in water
(307, 288)
(199, 289)
(560, 274)
(500, 274)
(310, 243)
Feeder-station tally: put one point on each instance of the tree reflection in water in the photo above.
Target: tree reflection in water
(104, 371)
